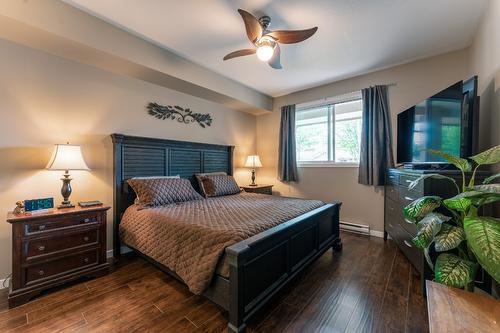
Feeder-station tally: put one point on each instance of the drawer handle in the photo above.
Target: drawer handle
(86, 239)
(407, 243)
(87, 220)
(41, 272)
(41, 227)
(409, 199)
(86, 260)
(409, 181)
(390, 224)
(41, 248)
(408, 221)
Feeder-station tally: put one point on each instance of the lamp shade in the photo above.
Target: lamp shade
(253, 161)
(67, 157)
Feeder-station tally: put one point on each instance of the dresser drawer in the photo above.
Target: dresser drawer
(60, 266)
(406, 179)
(48, 245)
(59, 223)
(407, 196)
(404, 241)
(393, 177)
(394, 214)
(409, 226)
(391, 191)
(393, 208)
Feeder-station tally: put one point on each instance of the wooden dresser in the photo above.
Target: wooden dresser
(262, 189)
(55, 247)
(397, 196)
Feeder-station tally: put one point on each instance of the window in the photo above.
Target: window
(329, 132)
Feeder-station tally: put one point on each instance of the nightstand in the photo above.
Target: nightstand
(54, 247)
(262, 189)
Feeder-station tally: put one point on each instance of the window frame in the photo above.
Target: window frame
(330, 104)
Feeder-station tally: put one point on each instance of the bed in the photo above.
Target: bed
(265, 241)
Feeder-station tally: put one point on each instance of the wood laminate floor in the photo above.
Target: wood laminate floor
(368, 287)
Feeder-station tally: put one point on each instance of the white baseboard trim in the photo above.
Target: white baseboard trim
(360, 229)
(376, 233)
(2, 281)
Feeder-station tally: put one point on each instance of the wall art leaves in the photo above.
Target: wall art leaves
(178, 113)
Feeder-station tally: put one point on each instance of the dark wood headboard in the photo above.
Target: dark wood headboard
(139, 157)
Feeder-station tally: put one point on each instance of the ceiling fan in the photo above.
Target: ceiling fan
(266, 41)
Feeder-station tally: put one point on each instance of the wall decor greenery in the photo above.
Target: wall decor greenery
(178, 113)
(462, 239)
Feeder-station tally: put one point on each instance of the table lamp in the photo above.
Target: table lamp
(253, 161)
(67, 157)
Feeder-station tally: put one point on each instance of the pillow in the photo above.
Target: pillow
(162, 191)
(218, 185)
(153, 177)
(199, 176)
(136, 201)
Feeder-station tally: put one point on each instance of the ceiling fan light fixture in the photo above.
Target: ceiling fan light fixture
(265, 52)
(267, 42)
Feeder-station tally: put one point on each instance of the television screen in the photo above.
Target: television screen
(435, 123)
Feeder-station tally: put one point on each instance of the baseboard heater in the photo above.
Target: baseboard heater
(356, 228)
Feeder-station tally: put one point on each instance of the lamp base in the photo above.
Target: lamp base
(66, 191)
(68, 205)
(253, 184)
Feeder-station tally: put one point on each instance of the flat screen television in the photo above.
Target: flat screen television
(446, 121)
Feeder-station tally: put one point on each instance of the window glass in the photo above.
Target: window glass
(329, 133)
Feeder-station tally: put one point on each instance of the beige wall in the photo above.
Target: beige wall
(485, 61)
(46, 100)
(361, 204)
(63, 30)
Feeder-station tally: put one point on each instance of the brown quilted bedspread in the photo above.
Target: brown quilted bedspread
(189, 238)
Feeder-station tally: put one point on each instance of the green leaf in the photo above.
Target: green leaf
(454, 271)
(488, 188)
(431, 175)
(428, 228)
(480, 195)
(483, 236)
(459, 202)
(491, 178)
(460, 163)
(490, 156)
(448, 238)
(419, 208)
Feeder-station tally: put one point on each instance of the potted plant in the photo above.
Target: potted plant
(461, 238)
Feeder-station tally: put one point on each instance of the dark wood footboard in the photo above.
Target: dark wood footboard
(261, 265)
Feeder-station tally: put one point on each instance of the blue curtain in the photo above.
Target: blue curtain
(376, 139)
(287, 160)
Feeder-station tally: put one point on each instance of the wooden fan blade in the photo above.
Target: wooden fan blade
(239, 53)
(292, 36)
(275, 61)
(252, 25)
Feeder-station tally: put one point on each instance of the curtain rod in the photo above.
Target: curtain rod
(391, 84)
(324, 99)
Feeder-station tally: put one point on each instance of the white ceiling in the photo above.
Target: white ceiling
(354, 36)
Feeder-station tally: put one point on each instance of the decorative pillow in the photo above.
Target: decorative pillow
(136, 201)
(199, 177)
(153, 177)
(162, 191)
(218, 185)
